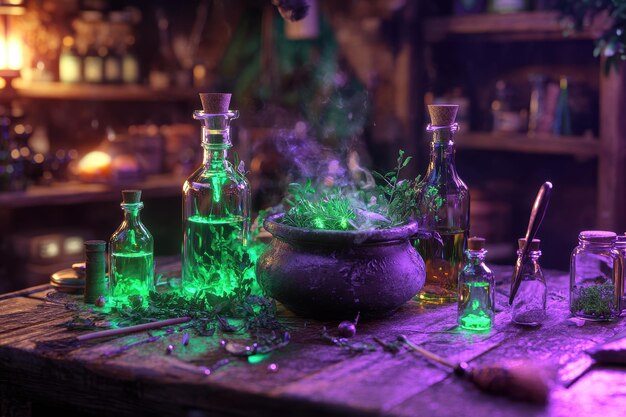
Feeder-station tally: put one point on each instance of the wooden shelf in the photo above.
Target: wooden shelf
(524, 26)
(102, 92)
(521, 143)
(77, 192)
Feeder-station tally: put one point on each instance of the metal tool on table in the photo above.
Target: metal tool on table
(522, 382)
(536, 216)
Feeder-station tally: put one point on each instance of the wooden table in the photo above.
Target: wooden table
(315, 378)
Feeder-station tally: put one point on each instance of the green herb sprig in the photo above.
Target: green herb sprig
(392, 202)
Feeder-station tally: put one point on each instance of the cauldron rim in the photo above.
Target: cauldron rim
(337, 237)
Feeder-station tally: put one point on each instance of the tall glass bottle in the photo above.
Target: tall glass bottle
(131, 269)
(216, 208)
(476, 307)
(444, 203)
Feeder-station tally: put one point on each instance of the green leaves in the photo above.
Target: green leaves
(611, 16)
(392, 202)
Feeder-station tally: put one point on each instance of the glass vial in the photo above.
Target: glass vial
(529, 305)
(476, 289)
(132, 253)
(216, 209)
(596, 277)
(444, 211)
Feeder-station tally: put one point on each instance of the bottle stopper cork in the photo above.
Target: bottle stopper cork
(534, 245)
(443, 114)
(215, 103)
(475, 243)
(131, 196)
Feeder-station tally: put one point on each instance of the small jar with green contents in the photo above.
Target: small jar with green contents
(131, 270)
(476, 308)
(596, 277)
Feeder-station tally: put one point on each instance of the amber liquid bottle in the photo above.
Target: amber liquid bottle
(444, 203)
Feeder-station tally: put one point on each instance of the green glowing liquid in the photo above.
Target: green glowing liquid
(131, 274)
(475, 306)
(212, 253)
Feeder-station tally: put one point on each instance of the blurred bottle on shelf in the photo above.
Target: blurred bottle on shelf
(130, 64)
(6, 163)
(100, 49)
(537, 110)
(69, 62)
(562, 118)
(505, 117)
(507, 6)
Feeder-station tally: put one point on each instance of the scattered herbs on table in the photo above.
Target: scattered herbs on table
(350, 346)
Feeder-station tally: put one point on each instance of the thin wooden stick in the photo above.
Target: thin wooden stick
(132, 329)
(429, 355)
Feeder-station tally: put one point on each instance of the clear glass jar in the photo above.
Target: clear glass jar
(529, 305)
(216, 214)
(476, 305)
(131, 268)
(596, 277)
(444, 215)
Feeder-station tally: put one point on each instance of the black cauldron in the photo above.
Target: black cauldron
(335, 274)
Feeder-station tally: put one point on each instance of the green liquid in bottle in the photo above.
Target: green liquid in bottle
(131, 274)
(213, 250)
(475, 306)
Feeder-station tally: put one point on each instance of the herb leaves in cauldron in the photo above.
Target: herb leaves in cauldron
(389, 203)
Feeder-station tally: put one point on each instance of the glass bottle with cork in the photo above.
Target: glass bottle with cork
(476, 306)
(131, 269)
(444, 203)
(216, 207)
(529, 304)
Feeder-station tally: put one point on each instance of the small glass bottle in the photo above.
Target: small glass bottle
(476, 289)
(529, 305)
(216, 208)
(444, 211)
(131, 269)
(596, 277)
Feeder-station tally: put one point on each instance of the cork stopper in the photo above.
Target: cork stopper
(476, 243)
(597, 236)
(95, 245)
(215, 103)
(131, 196)
(534, 245)
(443, 114)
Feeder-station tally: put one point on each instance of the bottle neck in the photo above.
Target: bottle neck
(442, 151)
(131, 213)
(216, 142)
(533, 255)
(476, 257)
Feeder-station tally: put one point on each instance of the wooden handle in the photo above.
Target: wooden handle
(536, 217)
(132, 329)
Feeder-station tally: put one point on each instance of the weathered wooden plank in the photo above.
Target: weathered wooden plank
(315, 378)
(25, 292)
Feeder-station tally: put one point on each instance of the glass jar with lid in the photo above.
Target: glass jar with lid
(596, 277)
